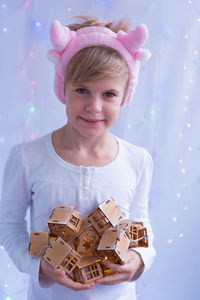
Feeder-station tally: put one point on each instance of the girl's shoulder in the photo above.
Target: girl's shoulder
(137, 158)
(30, 151)
(133, 151)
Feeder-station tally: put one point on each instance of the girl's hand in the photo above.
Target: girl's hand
(60, 277)
(124, 271)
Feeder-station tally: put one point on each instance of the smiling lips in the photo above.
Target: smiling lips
(92, 122)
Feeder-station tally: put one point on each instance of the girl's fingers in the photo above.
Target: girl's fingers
(59, 276)
(60, 273)
(112, 279)
(68, 282)
(115, 267)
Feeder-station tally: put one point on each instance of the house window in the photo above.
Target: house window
(69, 263)
(73, 220)
(91, 271)
(133, 232)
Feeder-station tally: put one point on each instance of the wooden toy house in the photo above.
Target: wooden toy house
(106, 215)
(65, 222)
(39, 242)
(137, 234)
(87, 240)
(61, 255)
(113, 245)
(88, 269)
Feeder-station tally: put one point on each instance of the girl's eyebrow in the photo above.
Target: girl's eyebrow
(80, 85)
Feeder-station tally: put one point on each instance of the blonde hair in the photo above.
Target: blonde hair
(98, 61)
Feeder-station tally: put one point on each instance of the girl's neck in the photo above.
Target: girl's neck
(78, 150)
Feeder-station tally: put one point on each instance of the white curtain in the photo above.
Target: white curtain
(164, 117)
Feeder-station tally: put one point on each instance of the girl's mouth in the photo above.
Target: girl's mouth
(93, 122)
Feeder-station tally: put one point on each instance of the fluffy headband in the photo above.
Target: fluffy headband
(67, 43)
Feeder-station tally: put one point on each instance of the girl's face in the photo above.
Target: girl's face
(93, 107)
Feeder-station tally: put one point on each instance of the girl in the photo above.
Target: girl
(82, 163)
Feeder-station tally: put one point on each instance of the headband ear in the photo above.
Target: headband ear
(60, 35)
(135, 39)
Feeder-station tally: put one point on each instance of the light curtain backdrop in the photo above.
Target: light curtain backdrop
(164, 117)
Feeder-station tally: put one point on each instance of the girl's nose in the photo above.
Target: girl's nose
(94, 105)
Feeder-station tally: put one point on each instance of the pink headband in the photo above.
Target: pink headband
(67, 43)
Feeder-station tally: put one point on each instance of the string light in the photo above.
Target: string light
(170, 241)
(180, 135)
(198, 20)
(185, 208)
(38, 24)
(183, 170)
(185, 67)
(189, 148)
(181, 235)
(69, 9)
(152, 112)
(129, 126)
(32, 109)
(178, 195)
(189, 125)
(180, 161)
(186, 36)
(196, 52)
(5, 29)
(31, 53)
(185, 108)
(174, 219)
(187, 97)
(33, 82)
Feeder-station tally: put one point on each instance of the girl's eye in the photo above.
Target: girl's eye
(82, 91)
(109, 94)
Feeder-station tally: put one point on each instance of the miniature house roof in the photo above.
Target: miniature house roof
(39, 237)
(112, 212)
(38, 243)
(87, 261)
(57, 252)
(61, 214)
(110, 241)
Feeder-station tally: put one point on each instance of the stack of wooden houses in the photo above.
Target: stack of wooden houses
(78, 245)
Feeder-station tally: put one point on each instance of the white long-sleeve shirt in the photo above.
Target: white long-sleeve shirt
(36, 177)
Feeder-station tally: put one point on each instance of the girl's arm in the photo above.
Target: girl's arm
(14, 204)
(138, 259)
(140, 211)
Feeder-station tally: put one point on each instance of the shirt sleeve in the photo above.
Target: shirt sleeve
(139, 212)
(15, 201)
